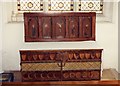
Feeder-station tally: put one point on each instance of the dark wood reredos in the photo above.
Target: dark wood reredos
(59, 26)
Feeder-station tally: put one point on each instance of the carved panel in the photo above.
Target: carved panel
(59, 27)
(33, 27)
(41, 75)
(46, 27)
(68, 55)
(60, 55)
(73, 27)
(87, 26)
(79, 75)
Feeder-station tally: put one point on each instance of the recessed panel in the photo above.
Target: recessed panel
(87, 26)
(73, 27)
(59, 27)
(33, 27)
(46, 27)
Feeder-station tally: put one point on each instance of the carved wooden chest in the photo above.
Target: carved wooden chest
(61, 65)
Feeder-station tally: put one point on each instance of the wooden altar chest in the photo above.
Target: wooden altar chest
(61, 65)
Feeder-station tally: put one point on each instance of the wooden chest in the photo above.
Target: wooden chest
(61, 65)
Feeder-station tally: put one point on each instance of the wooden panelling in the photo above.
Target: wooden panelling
(46, 27)
(18, 81)
(68, 64)
(59, 26)
(58, 55)
(87, 27)
(33, 27)
(73, 27)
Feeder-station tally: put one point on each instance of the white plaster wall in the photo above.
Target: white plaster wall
(0, 37)
(13, 41)
(119, 37)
